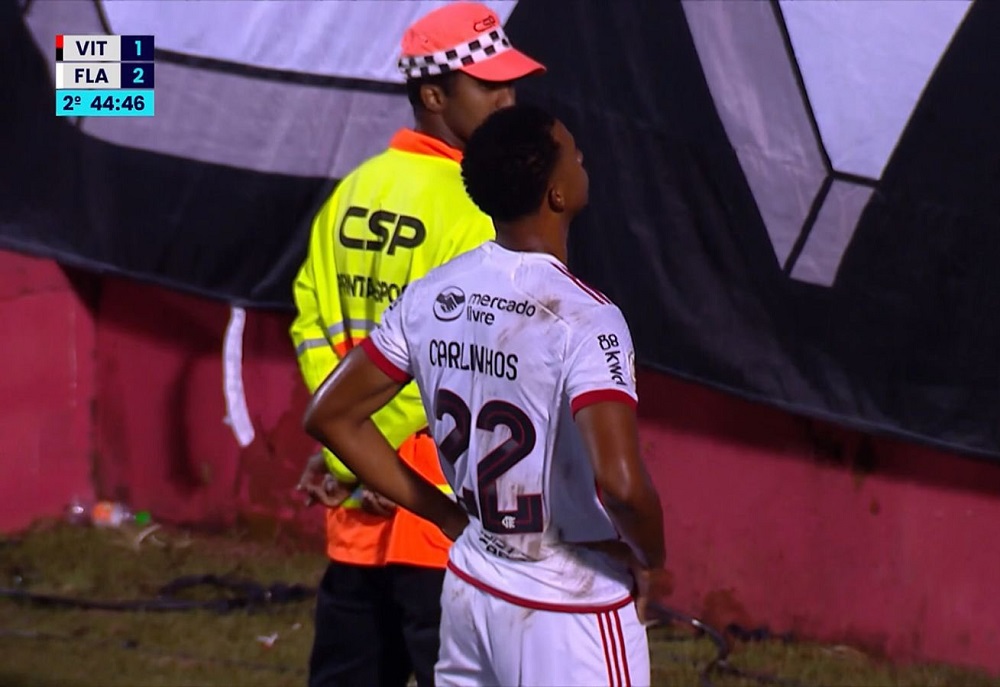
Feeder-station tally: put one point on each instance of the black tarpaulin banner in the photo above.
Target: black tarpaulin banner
(798, 203)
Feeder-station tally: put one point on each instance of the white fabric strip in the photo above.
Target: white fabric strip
(237, 414)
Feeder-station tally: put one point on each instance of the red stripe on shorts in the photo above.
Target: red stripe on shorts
(615, 649)
(621, 640)
(607, 653)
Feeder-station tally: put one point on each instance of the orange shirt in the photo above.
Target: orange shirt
(354, 536)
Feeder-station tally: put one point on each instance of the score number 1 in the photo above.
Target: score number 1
(137, 49)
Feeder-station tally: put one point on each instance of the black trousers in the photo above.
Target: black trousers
(375, 626)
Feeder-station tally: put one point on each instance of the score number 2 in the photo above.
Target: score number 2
(527, 516)
(138, 75)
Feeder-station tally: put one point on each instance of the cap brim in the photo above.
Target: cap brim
(509, 65)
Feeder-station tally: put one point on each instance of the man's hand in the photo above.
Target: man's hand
(339, 417)
(652, 586)
(320, 486)
(376, 504)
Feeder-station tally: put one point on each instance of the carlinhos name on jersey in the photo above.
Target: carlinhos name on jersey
(471, 357)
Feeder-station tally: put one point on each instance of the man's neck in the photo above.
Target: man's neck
(534, 235)
(437, 129)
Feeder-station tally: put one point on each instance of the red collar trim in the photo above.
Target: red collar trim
(411, 141)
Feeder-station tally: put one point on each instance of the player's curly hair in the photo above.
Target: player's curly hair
(508, 161)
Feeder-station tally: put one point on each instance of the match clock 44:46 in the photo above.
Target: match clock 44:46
(105, 103)
(128, 102)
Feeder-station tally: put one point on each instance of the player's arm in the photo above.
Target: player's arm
(611, 435)
(601, 388)
(610, 432)
(339, 416)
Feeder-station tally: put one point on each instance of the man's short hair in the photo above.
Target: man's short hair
(508, 161)
(413, 87)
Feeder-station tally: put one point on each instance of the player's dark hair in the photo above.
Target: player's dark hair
(444, 81)
(508, 161)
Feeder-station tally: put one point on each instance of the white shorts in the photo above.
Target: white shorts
(486, 640)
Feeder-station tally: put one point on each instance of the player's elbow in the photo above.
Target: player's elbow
(323, 422)
(627, 491)
(313, 424)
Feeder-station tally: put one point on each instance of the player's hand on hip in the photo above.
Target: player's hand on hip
(457, 521)
(320, 486)
(653, 585)
(376, 504)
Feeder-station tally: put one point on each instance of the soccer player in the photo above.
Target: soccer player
(527, 376)
(389, 221)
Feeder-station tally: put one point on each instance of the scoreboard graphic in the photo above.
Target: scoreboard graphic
(105, 76)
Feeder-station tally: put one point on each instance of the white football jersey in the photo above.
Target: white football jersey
(505, 348)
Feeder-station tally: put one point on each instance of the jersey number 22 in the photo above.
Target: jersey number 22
(527, 516)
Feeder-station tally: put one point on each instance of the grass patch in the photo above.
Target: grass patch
(67, 647)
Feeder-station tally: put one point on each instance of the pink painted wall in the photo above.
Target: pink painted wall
(834, 535)
(46, 388)
(161, 440)
(771, 519)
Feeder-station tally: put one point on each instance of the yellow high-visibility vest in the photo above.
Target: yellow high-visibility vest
(389, 222)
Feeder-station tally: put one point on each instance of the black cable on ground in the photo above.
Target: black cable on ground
(669, 615)
(245, 594)
(720, 663)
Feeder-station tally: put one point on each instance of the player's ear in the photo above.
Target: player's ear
(556, 199)
(433, 97)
